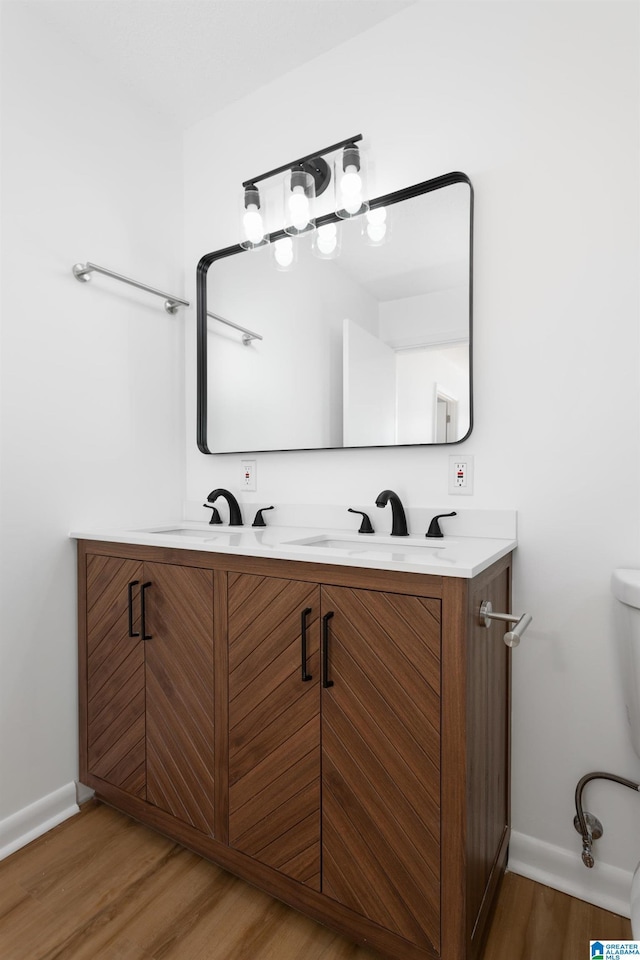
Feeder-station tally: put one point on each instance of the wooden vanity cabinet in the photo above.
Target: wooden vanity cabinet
(337, 736)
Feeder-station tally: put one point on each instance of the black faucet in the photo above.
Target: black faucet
(399, 520)
(235, 517)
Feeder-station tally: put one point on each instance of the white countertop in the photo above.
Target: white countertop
(448, 557)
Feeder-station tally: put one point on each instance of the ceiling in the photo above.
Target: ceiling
(188, 59)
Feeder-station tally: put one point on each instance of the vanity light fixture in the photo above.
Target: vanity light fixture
(304, 180)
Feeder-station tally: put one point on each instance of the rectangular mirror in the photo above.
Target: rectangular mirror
(369, 348)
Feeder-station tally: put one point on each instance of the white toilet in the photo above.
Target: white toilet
(635, 904)
(625, 585)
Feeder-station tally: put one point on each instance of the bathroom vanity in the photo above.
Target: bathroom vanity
(333, 729)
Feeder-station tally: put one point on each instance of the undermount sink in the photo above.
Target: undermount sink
(226, 537)
(386, 545)
(183, 532)
(381, 548)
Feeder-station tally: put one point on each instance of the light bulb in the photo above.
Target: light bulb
(376, 232)
(328, 230)
(376, 221)
(299, 197)
(252, 224)
(377, 216)
(351, 182)
(327, 238)
(283, 252)
(299, 208)
(352, 203)
(351, 190)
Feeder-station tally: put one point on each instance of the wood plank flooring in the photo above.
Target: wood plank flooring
(101, 887)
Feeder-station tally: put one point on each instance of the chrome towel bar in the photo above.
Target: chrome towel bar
(83, 271)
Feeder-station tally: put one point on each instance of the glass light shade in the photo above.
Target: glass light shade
(350, 178)
(284, 253)
(326, 241)
(376, 226)
(254, 233)
(299, 202)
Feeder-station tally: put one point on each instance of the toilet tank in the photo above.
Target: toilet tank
(625, 586)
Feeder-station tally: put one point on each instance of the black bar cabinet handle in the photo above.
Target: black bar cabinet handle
(143, 617)
(303, 634)
(325, 650)
(134, 583)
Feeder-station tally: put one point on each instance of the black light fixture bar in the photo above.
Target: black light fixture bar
(296, 163)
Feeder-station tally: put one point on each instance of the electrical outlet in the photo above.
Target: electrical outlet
(248, 478)
(461, 475)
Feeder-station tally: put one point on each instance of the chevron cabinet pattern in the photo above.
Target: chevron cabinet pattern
(380, 760)
(150, 724)
(274, 725)
(115, 677)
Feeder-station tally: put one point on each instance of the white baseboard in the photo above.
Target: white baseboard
(39, 817)
(603, 885)
(83, 793)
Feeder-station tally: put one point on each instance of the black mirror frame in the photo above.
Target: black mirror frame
(427, 186)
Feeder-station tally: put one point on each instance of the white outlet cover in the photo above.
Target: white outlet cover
(454, 488)
(248, 478)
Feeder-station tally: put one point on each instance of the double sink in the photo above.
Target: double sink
(357, 545)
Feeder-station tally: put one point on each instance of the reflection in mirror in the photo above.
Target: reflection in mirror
(370, 348)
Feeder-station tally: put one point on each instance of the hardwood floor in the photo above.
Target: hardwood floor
(101, 887)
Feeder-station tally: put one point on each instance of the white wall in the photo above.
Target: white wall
(538, 104)
(92, 402)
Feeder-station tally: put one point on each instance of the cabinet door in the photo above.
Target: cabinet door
(115, 675)
(274, 724)
(178, 606)
(381, 759)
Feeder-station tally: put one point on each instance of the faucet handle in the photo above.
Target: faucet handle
(259, 519)
(365, 526)
(215, 516)
(434, 527)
